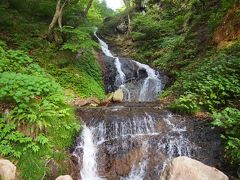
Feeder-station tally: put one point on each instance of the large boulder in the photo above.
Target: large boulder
(65, 177)
(7, 170)
(182, 168)
(118, 96)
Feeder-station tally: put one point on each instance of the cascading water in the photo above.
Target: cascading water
(137, 89)
(120, 78)
(134, 142)
(89, 149)
(143, 142)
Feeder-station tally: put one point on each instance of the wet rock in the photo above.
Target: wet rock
(92, 101)
(118, 96)
(129, 68)
(142, 73)
(106, 101)
(122, 28)
(7, 170)
(110, 73)
(120, 166)
(183, 168)
(65, 177)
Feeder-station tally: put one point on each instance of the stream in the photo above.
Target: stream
(135, 139)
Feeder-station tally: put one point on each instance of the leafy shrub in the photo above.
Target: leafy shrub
(40, 108)
(79, 39)
(229, 120)
(186, 104)
(18, 62)
(14, 143)
(23, 88)
(215, 83)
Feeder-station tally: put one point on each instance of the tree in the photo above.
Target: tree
(57, 16)
(127, 4)
(87, 8)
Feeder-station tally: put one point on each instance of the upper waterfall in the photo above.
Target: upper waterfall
(139, 82)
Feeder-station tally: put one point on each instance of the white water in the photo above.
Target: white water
(122, 135)
(120, 79)
(148, 92)
(89, 163)
(150, 87)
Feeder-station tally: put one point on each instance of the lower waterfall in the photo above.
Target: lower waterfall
(133, 141)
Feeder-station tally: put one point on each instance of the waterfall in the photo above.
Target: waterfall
(146, 90)
(120, 135)
(120, 79)
(89, 163)
(152, 84)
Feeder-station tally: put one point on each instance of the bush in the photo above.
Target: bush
(79, 40)
(40, 121)
(215, 83)
(186, 104)
(229, 120)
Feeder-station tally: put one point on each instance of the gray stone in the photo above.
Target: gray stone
(7, 170)
(64, 177)
(184, 168)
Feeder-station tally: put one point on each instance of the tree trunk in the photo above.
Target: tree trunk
(60, 15)
(55, 18)
(87, 8)
(127, 4)
(129, 25)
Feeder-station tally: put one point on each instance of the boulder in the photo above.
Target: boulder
(118, 96)
(7, 170)
(182, 168)
(65, 177)
(122, 28)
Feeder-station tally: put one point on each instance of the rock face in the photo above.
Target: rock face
(122, 28)
(183, 168)
(7, 170)
(65, 177)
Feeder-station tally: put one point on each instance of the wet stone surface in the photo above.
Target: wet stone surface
(137, 141)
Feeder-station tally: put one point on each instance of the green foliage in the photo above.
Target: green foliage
(40, 126)
(79, 40)
(23, 88)
(216, 17)
(229, 120)
(186, 104)
(14, 143)
(215, 83)
(40, 120)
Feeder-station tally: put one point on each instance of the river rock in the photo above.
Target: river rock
(118, 96)
(92, 101)
(107, 100)
(7, 170)
(182, 168)
(65, 177)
